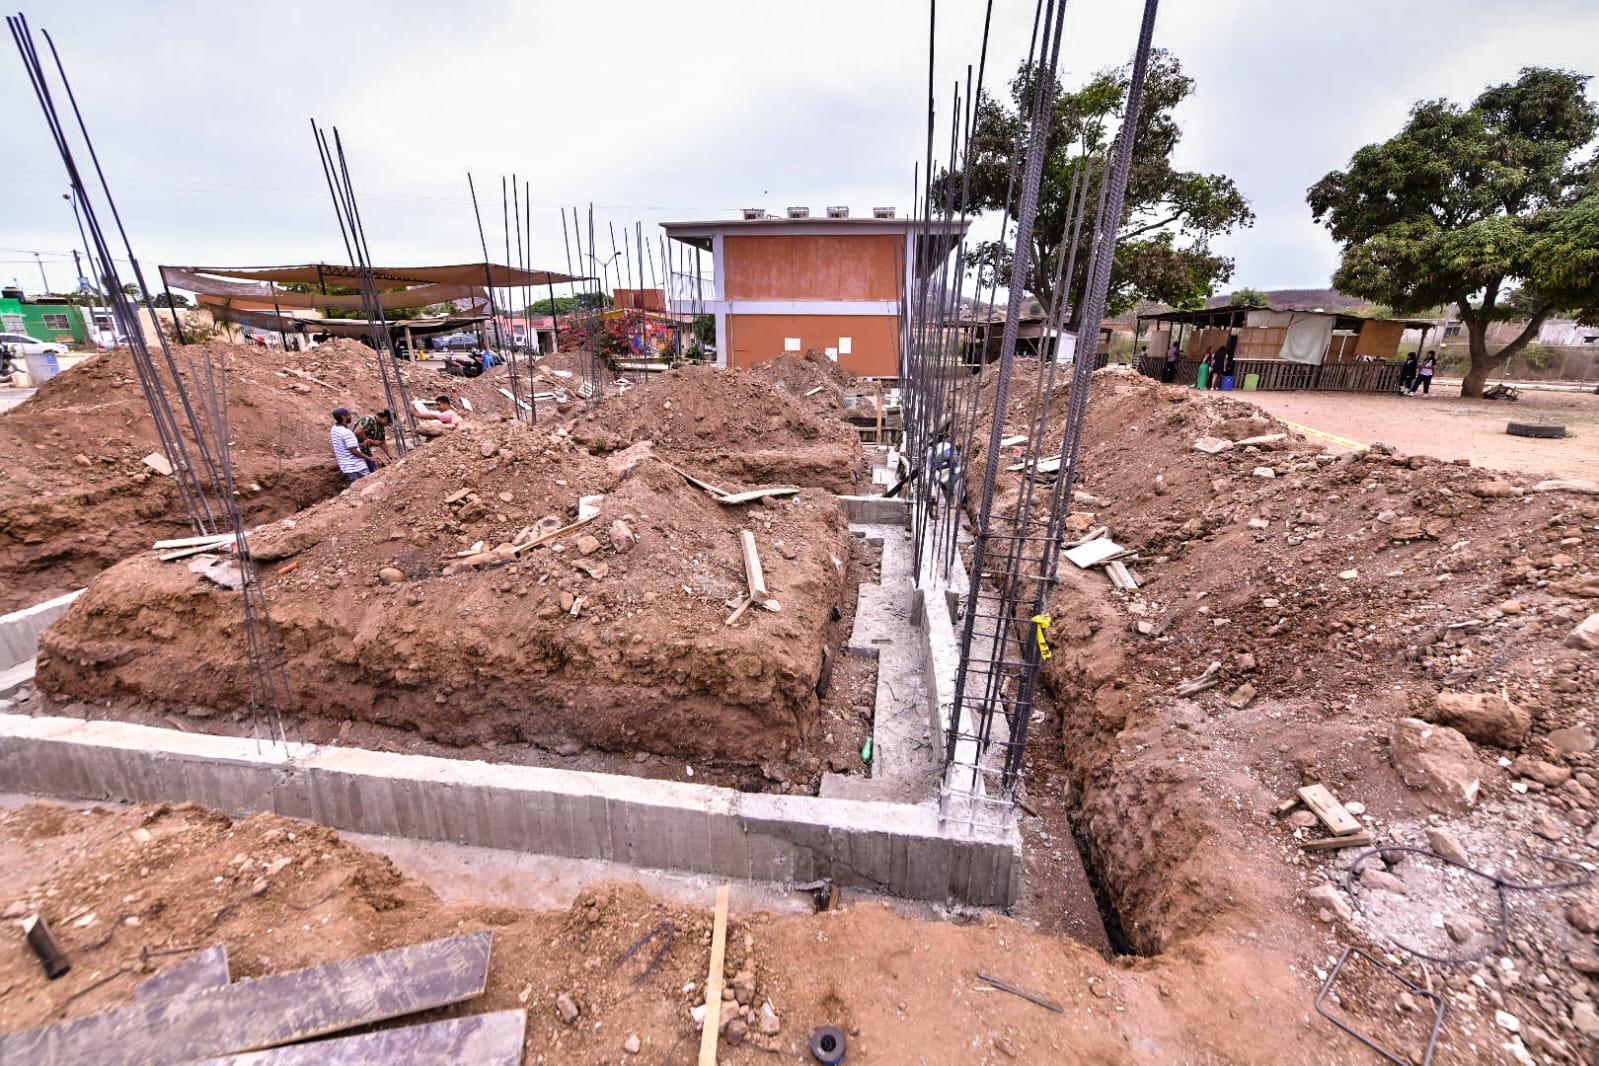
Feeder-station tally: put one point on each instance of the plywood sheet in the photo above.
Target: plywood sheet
(480, 1039)
(265, 1012)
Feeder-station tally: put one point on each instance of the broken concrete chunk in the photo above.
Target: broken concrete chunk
(1212, 445)
(622, 536)
(158, 462)
(588, 544)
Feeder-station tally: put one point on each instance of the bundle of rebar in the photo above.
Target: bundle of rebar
(196, 445)
(1014, 551)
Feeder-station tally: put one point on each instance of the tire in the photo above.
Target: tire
(1532, 429)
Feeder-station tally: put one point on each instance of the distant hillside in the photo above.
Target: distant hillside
(1305, 300)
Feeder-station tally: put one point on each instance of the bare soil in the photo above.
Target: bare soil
(1446, 427)
(612, 635)
(75, 496)
(722, 425)
(812, 377)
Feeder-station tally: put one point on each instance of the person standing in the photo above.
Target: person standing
(1169, 371)
(1407, 372)
(346, 449)
(1424, 374)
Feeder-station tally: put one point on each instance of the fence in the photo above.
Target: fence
(1278, 374)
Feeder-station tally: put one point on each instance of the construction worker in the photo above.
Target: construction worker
(374, 429)
(346, 449)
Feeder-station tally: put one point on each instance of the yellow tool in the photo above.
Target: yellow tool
(1042, 622)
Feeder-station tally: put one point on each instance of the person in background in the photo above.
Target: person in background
(1407, 372)
(1169, 372)
(1424, 374)
(1207, 360)
(1222, 362)
(434, 423)
(374, 429)
(346, 449)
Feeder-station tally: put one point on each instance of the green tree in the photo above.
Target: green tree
(1163, 251)
(565, 305)
(161, 299)
(1489, 208)
(1248, 298)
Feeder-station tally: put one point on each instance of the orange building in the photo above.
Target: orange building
(837, 284)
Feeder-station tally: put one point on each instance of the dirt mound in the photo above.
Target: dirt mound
(75, 496)
(811, 377)
(1326, 598)
(727, 426)
(611, 635)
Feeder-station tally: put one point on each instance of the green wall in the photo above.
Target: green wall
(33, 320)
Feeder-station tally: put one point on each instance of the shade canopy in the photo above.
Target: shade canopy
(495, 274)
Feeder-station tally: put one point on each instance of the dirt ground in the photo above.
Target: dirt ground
(75, 496)
(405, 602)
(903, 991)
(1446, 427)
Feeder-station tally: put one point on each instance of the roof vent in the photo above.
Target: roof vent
(882, 212)
(799, 212)
(838, 212)
(752, 213)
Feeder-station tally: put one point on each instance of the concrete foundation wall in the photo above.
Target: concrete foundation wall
(19, 630)
(876, 510)
(894, 848)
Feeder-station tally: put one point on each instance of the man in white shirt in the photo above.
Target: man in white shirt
(346, 449)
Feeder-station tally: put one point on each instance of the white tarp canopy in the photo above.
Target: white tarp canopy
(1307, 339)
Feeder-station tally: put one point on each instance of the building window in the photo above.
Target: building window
(58, 323)
(13, 323)
(1451, 329)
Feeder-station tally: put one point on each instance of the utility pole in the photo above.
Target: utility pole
(43, 280)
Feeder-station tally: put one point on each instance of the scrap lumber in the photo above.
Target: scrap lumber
(1351, 840)
(198, 972)
(1207, 680)
(1120, 576)
(1045, 465)
(755, 494)
(1324, 805)
(518, 400)
(1094, 553)
(704, 486)
(814, 391)
(713, 981)
(267, 1011)
(552, 534)
(197, 549)
(1013, 441)
(738, 612)
(493, 1039)
(753, 575)
(303, 376)
(189, 542)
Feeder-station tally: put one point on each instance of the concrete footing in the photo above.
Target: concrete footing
(895, 848)
(19, 630)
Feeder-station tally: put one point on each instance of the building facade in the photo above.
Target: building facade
(43, 318)
(836, 285)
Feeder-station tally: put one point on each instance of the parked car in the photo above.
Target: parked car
(22, 344)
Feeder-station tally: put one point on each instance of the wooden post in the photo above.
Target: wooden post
(713, 981)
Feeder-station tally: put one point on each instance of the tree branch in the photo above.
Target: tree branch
(1129, 234)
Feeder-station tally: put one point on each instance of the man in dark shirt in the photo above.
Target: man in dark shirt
(374, 429)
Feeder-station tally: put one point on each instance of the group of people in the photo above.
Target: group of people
(354, 439)
(1414, 375)
(1218, 362)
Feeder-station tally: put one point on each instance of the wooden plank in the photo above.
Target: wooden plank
(1093, 553)
(713, 981)
(1121, 576)
(552, 534)
(1351, 840)
(198, 972)
(267, 1011)
(1326, 807)
(196, 549)
(752, 567)
(519, 401)
(189, 542)
(756, 494)
(493, 1039)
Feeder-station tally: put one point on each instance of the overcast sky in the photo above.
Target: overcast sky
(657, 111)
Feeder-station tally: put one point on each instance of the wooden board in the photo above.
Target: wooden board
(1093, 553)
(552, 534)
(267, 1011)
(713, 981)
(752, 567)
(756, 494)
(480, 1039)
(1352, 840)
(1326, 807)
(207, 969)
(189, 542)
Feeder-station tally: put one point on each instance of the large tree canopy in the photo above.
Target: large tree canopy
(1170, 215)
(1490, 208)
